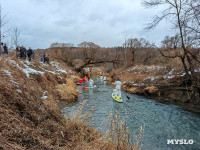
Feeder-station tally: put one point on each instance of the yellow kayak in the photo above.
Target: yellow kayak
(118, 99)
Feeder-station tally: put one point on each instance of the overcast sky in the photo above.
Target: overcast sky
(104, 22)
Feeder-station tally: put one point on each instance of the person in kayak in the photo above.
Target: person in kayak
(104, 78)
(101, 78)
(91, 82)
(117, 89)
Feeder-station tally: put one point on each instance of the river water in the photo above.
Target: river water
(161, 121)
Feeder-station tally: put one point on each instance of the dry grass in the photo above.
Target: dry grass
(151, 89)
(116, 137)
(29, 122)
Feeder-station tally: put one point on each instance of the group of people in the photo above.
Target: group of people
(21, 52)
(4, 49)
(118, 84)
(101, 77)
(44, 58)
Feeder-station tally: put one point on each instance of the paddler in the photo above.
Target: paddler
(117, 89)
(80, 81)
(104, 78)
(83, 80)
(101, 77)
(88, 77)
(91, 82)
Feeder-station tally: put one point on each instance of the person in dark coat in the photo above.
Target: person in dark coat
(47, 59)
(1, 49)
(18, 52)
(5, 50)
(23, 52)
(44, 57)
(29, 53)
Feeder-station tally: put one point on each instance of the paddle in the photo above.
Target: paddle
(125, 94)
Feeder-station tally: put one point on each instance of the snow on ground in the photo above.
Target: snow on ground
(44, 95)
(197, 70)
(56, 65)
(86, 69)
(19, 91)
(53, 72)
(11, 78)
(147, 68)
(152, 78)
(27, 70)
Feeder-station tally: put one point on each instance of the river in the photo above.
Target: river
(161, 121)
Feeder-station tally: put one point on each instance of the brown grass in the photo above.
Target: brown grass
(29, 122)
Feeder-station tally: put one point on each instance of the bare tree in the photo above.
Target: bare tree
(3, 21)
(15, 36)
(61, 45)
(184, 14)
(134, 44)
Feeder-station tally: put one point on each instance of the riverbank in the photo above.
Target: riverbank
(30, 116)
(157, 82)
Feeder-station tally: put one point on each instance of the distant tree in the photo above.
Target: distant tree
(3, 22)
(15, 36)
(90, 45)
(134, 44)
(61, 45)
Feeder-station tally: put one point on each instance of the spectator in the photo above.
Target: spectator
(5, 50)
(33, 54)
(47, 59)
(41, 60)
(29, 53)
(18, 52)
(1, 49)
(23, 52)
(44, 57)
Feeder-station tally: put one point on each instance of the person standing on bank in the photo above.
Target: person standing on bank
(29, 53)
(5, 50)
(1, 49)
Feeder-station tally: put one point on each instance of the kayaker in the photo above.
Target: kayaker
(101, 77)
(117, 90)
(84, 80)
(91, 82)
(80, 81)
(88, 77)
(104, 78)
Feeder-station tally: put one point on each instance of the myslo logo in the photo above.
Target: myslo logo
(179, 141)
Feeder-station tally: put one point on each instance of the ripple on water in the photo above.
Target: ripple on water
(162, 121)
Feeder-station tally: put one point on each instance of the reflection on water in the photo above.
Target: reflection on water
(162, 121)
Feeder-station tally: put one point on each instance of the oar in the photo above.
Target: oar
(125, 94)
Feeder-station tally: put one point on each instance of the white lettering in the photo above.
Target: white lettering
(190, 141)
(176, 141)
(170, 141)
(179, 141)
(185, 142)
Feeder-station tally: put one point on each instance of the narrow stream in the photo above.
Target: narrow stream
(162, 121)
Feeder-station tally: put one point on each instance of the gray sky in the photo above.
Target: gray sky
(104, 22)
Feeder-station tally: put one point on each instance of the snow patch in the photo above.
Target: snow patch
(59, 69)
(11, 80)
(169, 76)
(197, 70)
(86, 69)
(47, 70)
(19, 91)
(151, 78)
(44, 95)
(26, 70)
